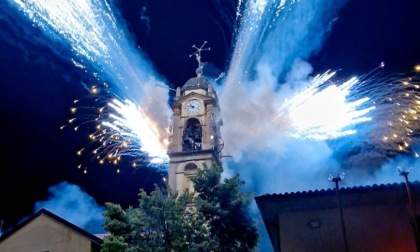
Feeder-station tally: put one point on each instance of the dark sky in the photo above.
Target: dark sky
(38, 85)
(38, 89)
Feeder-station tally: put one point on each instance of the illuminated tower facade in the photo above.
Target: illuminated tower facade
(195, 130)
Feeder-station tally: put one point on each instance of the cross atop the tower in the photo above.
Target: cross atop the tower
(197, 54)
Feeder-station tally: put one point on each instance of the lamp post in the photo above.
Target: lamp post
(337, 189)
(405, 173)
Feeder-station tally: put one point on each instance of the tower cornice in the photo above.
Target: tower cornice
(194, 155)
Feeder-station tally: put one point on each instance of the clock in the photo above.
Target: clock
(192, 107)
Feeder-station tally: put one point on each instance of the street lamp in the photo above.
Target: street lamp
(405, 173)
(343, 225)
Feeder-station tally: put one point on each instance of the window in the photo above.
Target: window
(190, 168)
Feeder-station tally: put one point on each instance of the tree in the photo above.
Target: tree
(212, 219)
(225, 207)
(164, 221)
(117, 223)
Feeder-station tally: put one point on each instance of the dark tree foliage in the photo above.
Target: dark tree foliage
(164, 221)
(212, 219)
(117, 223)
(225, 207)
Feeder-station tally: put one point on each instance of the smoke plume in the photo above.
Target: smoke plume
(71, 203)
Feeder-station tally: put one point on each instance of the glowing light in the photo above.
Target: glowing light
(100, 47)
(323, 111)
(326, 111)
(133, 122)
(125, 129)
(97, 40)
(397, 111)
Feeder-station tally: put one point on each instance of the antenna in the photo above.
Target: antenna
(197, 54)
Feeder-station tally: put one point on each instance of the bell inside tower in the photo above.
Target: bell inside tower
(192, 135)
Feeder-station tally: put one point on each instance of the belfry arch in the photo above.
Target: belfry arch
(192, 135)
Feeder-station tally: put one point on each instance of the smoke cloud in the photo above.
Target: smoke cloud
(71, 203)
(269, 65)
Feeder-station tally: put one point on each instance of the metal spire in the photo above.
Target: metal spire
(197, 54)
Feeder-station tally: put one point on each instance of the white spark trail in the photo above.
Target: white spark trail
(324, 113)
(101, 46)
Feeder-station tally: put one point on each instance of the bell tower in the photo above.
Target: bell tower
(195, 129)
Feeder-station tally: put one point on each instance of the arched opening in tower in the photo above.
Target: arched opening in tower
(192, 135)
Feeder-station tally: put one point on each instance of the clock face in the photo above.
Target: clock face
(192, 107)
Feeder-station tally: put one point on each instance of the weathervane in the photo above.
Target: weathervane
(197, 54)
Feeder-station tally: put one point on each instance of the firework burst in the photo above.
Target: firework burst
(122, 130)
(397, 101)
(384, 110)
(324, 110)
(381, 108)
(101, 47)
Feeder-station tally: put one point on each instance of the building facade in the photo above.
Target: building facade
(376, 218)
(45, 231)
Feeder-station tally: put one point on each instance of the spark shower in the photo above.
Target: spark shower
(133, 116)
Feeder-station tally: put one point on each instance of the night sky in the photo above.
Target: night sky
(39, 84)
